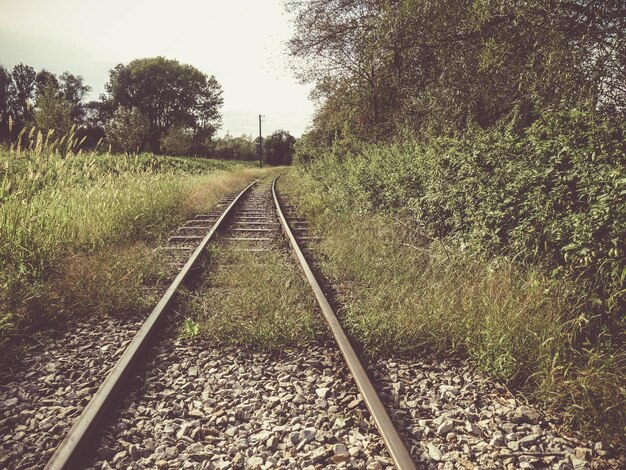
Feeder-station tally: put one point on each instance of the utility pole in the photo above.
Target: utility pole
(260, 144)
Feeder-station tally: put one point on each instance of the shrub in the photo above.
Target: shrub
(177, 141)
(555, 197)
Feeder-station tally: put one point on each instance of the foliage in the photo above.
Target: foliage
(554, 197)
(279, 148)
(5, 97)
(403, 291)
(22, 90)
(381, 67)
(168, 93)
(53, 112)
(45, 80)
(236, 148)
(25, 93)
(128, 130)
(190, 329)
(177, 141)
(495, 132)
(178, 104)
(73, 90)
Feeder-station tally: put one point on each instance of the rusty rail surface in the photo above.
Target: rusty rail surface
(395, 444)
(68, 450)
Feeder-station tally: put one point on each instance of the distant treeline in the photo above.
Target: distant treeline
(153, 104)
(278, 148)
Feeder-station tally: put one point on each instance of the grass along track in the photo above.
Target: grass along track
(405, 294)
(399, 302)
(52, 383)
(295, 407)
(71, 228)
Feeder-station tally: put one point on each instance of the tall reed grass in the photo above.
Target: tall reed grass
(62, 210)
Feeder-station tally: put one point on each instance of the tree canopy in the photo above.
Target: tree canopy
(169, 94)
(279, 148)
(381, 67)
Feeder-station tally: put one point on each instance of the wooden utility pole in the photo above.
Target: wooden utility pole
(260, 144)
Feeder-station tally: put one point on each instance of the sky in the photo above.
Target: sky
(241, 42)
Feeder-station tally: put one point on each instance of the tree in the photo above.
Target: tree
(74, 91)
(177, 141)
(22, 93)
(168, 94)
(128, 130)
(279, 148)
(5, 102)
(52, 111)
(43, 80)
(444, 66)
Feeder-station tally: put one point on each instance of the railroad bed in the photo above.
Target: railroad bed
(188, 405)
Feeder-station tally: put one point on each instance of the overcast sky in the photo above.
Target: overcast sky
(241, 42)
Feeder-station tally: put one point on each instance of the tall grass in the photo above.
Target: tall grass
(403, 293)
(62, 212)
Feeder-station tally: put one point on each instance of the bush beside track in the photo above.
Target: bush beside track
(506, 247)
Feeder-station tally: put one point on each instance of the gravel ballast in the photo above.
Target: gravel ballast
(228, 408)
(52, 384)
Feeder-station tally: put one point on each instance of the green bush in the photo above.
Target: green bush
(504, 247)
(554, 197)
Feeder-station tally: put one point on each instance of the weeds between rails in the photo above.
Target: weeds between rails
(256, 300)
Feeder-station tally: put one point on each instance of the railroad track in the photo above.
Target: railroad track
(253, 221)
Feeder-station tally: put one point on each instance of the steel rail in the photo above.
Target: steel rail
(393, 441)
(69, 449)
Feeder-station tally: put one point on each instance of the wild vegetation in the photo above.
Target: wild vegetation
(254, 300)
(490, 136)
(78, 231)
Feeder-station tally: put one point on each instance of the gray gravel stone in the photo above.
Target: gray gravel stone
(455, 418)
(434, 452)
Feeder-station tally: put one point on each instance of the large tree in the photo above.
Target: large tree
(22, 93)
(168, 93)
